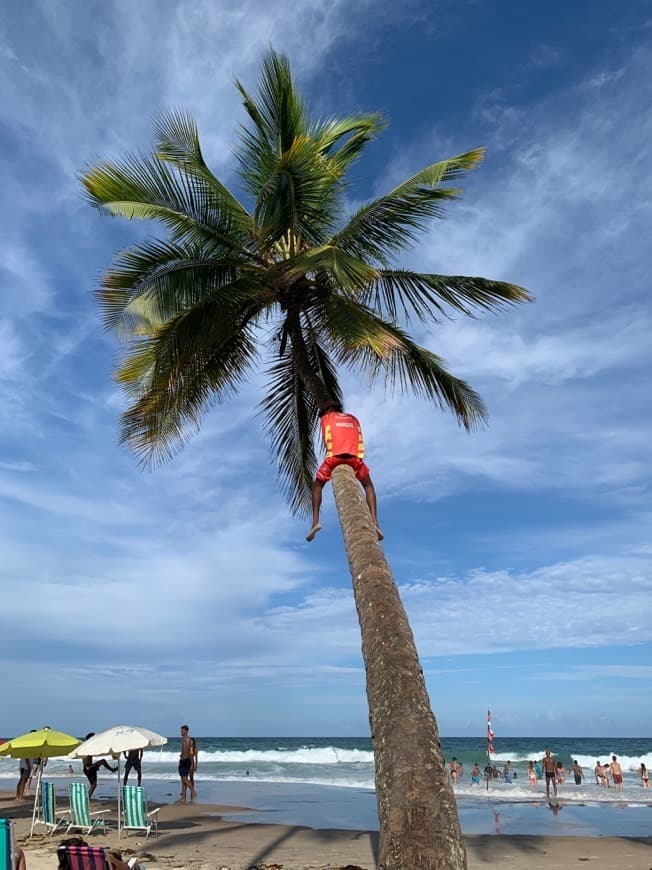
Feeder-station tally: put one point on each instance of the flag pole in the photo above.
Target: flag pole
(490, 746)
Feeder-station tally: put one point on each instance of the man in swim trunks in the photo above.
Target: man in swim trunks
(578, 773)
(616, 773)
(344, 446)
(134, 758)
(550, 773)
(186, 766)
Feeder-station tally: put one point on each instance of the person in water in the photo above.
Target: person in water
(342, 437)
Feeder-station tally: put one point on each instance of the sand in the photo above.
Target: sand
(196, 837)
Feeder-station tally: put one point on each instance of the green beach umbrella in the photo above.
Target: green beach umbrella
(45, 743)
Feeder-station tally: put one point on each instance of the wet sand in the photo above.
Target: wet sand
(199, 838)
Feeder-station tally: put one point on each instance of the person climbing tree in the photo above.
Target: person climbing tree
(342, 436)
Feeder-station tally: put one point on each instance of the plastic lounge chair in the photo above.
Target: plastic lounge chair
(7, 847)
(85, 857)
(136, 816)
(81, 817)
(51, 817)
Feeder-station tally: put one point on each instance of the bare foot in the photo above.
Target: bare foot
(193, 796)
(180, 801)
(313, 531)
(379, 533)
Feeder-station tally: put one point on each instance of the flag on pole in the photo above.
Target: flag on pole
(490, 735)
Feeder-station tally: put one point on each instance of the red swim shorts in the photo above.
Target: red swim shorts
(326, 468)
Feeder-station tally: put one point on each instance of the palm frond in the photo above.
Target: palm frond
(298, 196)
(190, 363)
(360, 130)
(177, 142)
(278, 117)
(292, 416)
(408, 294)
(164, 278)
(349, 273)
(147, 188)
(391, 223)
(365, 340)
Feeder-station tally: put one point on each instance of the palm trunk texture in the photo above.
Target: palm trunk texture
(419, 826)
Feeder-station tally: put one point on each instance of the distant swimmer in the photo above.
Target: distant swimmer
(342, 437)
(550, 773)
(532, 774)
(475, 774)
(454, 770)
(578, 773)
(645, 777)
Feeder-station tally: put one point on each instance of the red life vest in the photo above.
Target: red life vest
(342, 434)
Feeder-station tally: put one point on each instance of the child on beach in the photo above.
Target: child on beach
(344, 446)
(475, 774)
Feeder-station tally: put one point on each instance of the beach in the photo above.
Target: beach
(208, 836)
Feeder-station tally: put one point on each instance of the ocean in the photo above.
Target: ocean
(329, 781)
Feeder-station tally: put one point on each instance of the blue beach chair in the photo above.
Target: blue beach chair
(8, 857)
(136, 816)
(81, 817)
(51, 817)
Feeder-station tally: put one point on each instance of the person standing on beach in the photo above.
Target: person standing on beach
(645, 777)
(24, 773)
(453, 770)
(342, 436)
(532, 774)
(578, 773)
(550, 772)
(507, 771)
(134, 760)
(187, 766)
(616, 773)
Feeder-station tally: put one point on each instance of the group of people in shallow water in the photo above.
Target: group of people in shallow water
(552, 771)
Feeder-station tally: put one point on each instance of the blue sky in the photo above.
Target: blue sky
(522, 552)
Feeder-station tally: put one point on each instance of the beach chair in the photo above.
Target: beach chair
(51, 817)
(84, 857)
(136, 816)
(81, 817)
(8, 859)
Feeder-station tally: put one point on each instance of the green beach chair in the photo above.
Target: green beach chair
(8, 858)
(136, 816)
(81, 817)
(50, 816)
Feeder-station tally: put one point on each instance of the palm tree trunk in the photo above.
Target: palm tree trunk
(419, 827)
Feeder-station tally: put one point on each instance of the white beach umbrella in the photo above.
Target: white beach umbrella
(115, 741)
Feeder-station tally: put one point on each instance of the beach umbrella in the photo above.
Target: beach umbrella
(114, 741)
(45, 743)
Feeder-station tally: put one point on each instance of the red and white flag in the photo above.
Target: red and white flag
(490, 735)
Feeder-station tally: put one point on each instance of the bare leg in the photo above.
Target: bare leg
(370, 495)
(317, 488)
(20, 860)
(92, 789)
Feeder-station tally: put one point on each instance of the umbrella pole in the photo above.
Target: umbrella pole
(37, 796)
(119, 795)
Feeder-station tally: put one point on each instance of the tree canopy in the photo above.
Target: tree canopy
(281, 278)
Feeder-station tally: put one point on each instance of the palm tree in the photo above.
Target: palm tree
(295, 281)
